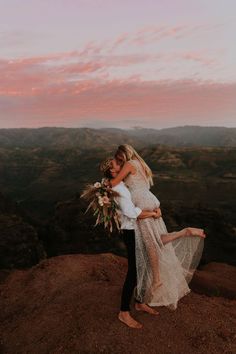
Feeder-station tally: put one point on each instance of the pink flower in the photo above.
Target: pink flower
(106, 200)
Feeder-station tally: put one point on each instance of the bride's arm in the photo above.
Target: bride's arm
(126, 169)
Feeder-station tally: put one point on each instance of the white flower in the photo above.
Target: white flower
(100, 202)
(97, 185)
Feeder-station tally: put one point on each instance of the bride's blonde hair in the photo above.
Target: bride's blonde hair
(129, 153)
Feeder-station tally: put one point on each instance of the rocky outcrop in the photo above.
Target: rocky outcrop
(20, 246)
(215, 279)
(170, 159)
(220, 243)
(19, 243)
(69, 304)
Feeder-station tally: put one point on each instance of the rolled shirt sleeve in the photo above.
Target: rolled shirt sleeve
(128, 208)
(138, 211)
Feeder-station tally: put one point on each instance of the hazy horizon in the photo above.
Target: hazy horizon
(125, 128)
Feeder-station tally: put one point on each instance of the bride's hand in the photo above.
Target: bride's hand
(158, 213)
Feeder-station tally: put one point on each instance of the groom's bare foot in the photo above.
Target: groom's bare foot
(126, 318)
(193, 231)
(145, 308)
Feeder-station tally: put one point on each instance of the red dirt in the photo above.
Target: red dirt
(69, 304)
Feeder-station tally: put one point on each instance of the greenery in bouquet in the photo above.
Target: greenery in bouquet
(101, 200)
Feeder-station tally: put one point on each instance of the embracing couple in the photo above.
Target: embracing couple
(160, 264)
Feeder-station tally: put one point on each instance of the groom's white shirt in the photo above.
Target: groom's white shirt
(128, 212)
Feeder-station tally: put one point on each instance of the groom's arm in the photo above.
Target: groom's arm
(127, 207)
(131, 211)
(147, 214)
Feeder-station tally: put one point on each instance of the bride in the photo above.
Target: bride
(165, 261)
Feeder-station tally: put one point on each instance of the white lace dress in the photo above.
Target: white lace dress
(176, 261)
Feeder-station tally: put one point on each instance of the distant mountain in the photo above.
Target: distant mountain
(188, 136)
(55, 137)
(87, 138)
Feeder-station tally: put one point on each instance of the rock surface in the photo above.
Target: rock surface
(69, 304)
(215, 279)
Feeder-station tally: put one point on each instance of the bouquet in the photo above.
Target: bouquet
(101, 199)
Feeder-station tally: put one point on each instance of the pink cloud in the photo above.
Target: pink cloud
(151, 34)
(119, 99)
(198, 57)
(147, 34)
(25, 75)
(77, 84)
(31, 76)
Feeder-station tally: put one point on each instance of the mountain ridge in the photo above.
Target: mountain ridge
(139, 137)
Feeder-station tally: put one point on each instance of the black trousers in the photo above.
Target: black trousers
(128, 237)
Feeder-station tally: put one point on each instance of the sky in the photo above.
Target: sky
(117, 63)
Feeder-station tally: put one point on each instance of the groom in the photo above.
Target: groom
(128, 215)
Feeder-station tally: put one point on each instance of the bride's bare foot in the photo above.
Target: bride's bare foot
(193, 231)
(126, 318)
(145, 308)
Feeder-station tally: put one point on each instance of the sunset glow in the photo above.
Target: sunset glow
(117, 63)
